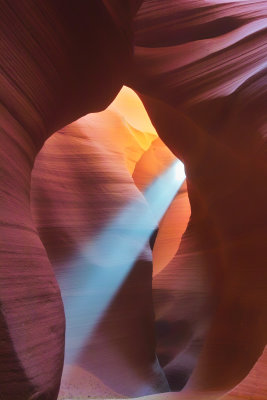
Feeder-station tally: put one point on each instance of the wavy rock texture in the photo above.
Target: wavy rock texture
(79, 184)
(46, 81)
(97, 155)
(200, 68)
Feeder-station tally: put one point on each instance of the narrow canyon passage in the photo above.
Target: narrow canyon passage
(189, 317)
(90, 218)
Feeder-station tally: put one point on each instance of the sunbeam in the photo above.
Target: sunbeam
(104, 263)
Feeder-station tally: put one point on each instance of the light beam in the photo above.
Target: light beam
(99, 270)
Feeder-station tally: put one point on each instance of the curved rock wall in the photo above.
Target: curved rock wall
(200, 69)
(173, 224)
(80, 183)
(47, 80)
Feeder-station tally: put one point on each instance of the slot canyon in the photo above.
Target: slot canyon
(133, 199)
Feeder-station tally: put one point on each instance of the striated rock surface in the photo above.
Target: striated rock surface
(47, 80)
(200, 68)
(80, 184)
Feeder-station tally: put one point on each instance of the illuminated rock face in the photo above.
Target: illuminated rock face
(199, 68)
(80, 184)
(152, 163)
